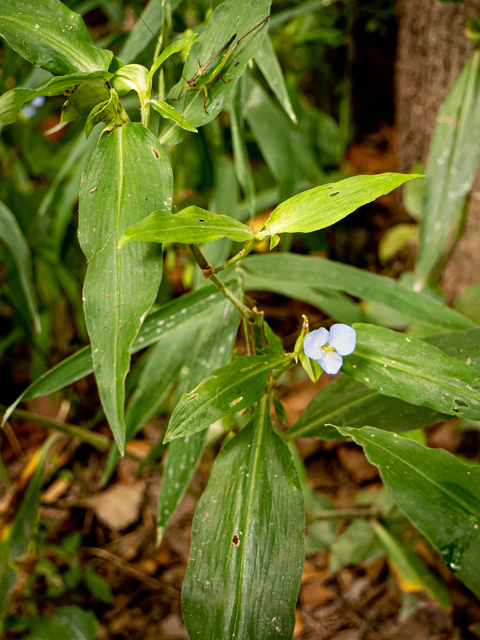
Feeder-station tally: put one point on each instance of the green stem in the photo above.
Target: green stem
(208, 273)
(95, 440)
(343, 514)
(251, 244)
(257, 330)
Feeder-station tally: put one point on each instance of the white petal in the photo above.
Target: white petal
(331, 362)
(314, 342)
(342, 338)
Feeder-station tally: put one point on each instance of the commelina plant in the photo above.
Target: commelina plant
(247, 548)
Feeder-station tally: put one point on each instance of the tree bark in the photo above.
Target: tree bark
(432, 50)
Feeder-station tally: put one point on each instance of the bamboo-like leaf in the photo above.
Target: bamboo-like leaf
(227, 390)
(240, 156)
(212, 350)
(50, 35)
(436, 491)
(156, 326)
(173, 47)
(128, 175)
(229, 18)
(269, 65)
(452, 162)
(167, 111)
(264, 120)
(12, 236)
(191, 225)
(247, 548)
(12, 101)
(313, 272)
(413, 370)
(323, 206)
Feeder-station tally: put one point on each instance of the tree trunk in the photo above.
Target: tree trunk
(432, 50)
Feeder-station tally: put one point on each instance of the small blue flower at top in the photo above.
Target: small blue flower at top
(328, 347)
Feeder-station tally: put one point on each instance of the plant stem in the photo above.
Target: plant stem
(241, 254)
(95, 440)
(257, 330)
(209, 273)
(343, 514)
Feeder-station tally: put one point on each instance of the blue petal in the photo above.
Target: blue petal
(330, 362)
(342, 338)
(314, 342)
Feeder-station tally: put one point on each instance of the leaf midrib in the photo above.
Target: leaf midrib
(260, 431)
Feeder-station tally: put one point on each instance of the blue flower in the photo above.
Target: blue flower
(328, 347)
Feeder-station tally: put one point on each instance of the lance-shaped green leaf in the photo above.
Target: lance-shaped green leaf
(240, 155)
(323, 206)
(12, 101)
(212, 350)
(413, 370)
(127, 176)
(167, 111)
(436, 491)
(452, 163)
(247, 548)
(12, 236)
(348, 402)
(191, 225)
(227, 390)
(156, 326)
(229, 18)
(270, 67)
(50, 35)
(327, 274)
(410, 572)
(265, 122)
(173, 47)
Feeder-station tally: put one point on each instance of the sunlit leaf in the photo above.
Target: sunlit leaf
(191, 225)
(50, 35)
(323, 206)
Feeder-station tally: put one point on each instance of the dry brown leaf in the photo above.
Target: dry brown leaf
(119, 506)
